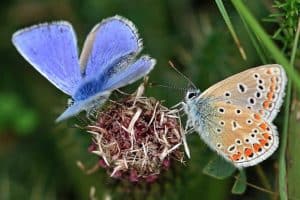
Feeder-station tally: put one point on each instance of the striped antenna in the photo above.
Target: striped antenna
(168, 86)
(181, 74)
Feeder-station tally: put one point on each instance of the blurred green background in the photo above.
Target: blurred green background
(38, 157)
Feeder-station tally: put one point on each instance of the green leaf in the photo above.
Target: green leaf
(240, 184)
(219, 168)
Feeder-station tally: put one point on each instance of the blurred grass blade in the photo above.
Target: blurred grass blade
(293, 149)
(263, 178)
(256, 44)
(240, 184)
(283, 188)
(266, 41)
(230, 27)
(219, 168)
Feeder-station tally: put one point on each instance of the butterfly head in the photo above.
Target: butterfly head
(192, 94)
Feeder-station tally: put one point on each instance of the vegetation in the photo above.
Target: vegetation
(206, 40)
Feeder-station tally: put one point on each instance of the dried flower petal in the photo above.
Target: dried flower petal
(136, 137)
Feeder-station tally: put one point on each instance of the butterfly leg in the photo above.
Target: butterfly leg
(180, 105)
(91, 114)
(189, 126)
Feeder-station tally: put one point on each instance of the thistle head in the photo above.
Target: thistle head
(137, 138)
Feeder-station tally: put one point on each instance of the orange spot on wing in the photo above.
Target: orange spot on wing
(257, 116)
(273, 87)
(248, 152)
(273, 79)
(270, 95)
(263, 142)
(269, 71)
(263, 126)
(236, 157)
(256, 147)
(267, 136)
(266, 104)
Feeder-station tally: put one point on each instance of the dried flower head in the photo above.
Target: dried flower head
(136, 138)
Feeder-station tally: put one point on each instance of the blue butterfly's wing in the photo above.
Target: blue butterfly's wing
(118, 75)
(52, 50)
(107, 63)
(95, 92)
(89, 104)
(110, 40)
(130, 74)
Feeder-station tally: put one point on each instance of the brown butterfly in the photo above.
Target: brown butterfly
(234, 117)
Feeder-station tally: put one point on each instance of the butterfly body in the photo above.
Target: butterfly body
(201, 113)
(234, 117)
(107, 62)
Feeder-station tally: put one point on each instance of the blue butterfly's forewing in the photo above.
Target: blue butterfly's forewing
(94, 84)
(117, 75)
(93, 93)
(130, 74)
(108, 62)
(51, 49)
(109, 40)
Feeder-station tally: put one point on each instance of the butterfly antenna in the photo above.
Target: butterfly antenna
(181, 74)
(168, 86)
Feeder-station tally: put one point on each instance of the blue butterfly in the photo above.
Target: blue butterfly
(107, 61)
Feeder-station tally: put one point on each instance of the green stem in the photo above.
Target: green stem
(230, 27)
(255, 43)
(266, 41)
(288, 65)
(263, 177)
(283, 190)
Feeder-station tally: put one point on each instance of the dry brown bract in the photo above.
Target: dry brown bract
(137, 137)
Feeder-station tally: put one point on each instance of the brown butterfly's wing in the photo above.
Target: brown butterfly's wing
(260, 89)
(241, 135)
(235, 116)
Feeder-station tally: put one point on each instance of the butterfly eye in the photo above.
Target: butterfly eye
(191, 95)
